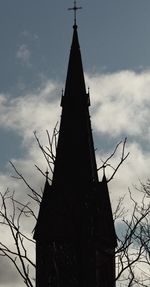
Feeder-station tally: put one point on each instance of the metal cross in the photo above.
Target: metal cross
(75, 8)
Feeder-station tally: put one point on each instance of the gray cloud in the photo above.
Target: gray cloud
(24, 55)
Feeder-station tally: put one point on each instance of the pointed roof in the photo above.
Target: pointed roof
(75, 83)
(75, 148)
(41, 226)
(105, 229)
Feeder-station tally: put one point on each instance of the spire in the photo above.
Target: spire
(75, 148)
(41, 226)
(105, 219)
(75, 84)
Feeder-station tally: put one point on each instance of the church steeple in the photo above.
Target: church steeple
(75, 150)
(73, 225)
(75, 83)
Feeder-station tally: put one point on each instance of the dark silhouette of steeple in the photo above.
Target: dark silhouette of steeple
(75, 85)
(75, 235)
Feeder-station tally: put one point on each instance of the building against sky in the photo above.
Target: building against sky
(75, 235)
(115, 38)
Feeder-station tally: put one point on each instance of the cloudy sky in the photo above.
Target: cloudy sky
(35, 41)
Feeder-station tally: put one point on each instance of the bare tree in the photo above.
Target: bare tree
(11, 218)
(133, 251)
(13, 213)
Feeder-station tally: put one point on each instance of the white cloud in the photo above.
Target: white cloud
(11, 278)
(121, 103)
(34, 111)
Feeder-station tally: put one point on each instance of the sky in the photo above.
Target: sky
(35, 38)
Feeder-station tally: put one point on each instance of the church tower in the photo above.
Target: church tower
(75, 235)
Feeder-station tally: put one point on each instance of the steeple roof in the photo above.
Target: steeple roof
(75, 150)
(75, 83)
(104, 223)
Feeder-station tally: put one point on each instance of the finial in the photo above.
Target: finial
(104, 166)
(75, 8)
(47, 173)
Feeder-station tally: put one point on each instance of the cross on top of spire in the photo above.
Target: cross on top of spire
(75, 8)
